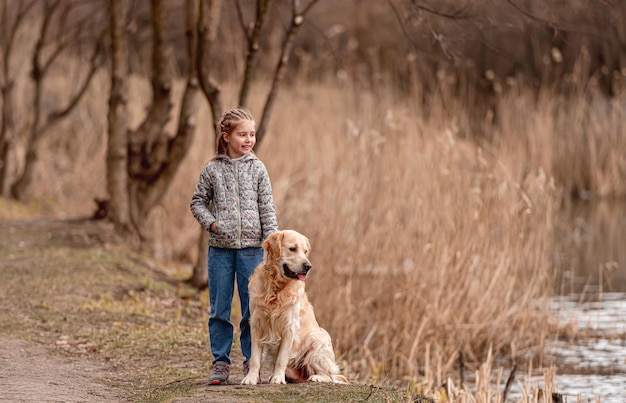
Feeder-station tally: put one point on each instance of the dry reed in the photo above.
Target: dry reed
(425, 245)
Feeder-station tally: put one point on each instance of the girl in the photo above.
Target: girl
(233, 201)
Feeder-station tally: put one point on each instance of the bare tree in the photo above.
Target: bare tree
(118, 205)
(52, 41)
(9, 25)
(142, 162)
(148, 144)
(154, 155)
(208, 23)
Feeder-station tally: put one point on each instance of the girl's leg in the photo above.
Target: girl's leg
(247, 260)
(221, 266)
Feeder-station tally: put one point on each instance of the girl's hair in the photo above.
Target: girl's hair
(230, 119)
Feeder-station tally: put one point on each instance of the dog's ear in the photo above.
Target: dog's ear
(308, 246)
(272, 244)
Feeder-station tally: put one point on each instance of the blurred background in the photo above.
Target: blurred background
(459, 166)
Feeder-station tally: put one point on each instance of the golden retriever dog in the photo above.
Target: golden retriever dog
(283, 325)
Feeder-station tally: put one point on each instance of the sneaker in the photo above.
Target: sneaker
(246, 369)
(221, 371)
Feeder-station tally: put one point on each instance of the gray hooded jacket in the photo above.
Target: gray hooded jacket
(237, 196)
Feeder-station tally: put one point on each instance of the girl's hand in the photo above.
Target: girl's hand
(213, 227)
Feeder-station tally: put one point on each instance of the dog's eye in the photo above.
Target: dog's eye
(293, 248)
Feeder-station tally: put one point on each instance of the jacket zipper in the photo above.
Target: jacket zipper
(236, 165)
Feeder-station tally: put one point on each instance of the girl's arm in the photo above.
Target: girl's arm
(200, 200)
(267, 212)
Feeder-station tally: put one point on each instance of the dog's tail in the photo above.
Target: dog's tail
(340, 379)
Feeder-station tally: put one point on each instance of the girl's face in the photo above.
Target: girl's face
(241, 139)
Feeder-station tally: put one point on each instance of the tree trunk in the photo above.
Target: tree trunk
(200, 277)
(142, 164)
(153, 155)
(8, 133)
(208, 22)
(117, 152)
(148, 144)
(7, 141)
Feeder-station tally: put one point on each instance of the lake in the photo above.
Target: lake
(592, 294)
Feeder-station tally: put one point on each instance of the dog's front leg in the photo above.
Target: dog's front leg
(282, 359)
(286, 343)
(254, 374)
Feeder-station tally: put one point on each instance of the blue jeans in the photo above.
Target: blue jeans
(223, 266)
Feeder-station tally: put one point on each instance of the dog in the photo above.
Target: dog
(282, 322)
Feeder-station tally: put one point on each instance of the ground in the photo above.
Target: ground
(30, 374)
(85, 318)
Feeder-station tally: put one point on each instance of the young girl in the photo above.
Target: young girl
(233, 201)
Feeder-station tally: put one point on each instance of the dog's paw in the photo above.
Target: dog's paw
(250, 379)
(320, 378)
(278, 379)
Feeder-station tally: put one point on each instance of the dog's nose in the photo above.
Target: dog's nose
(306, 266)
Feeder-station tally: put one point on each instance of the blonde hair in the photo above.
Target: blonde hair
(230, 119)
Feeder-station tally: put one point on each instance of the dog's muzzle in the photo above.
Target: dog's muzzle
(301, 274)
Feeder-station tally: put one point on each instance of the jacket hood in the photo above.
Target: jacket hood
(247, 157)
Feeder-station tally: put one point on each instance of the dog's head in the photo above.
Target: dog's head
(290, 251)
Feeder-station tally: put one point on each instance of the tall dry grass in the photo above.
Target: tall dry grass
(579, 140)
(424, 245)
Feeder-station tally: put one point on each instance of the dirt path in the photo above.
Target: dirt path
(84, 318)
(28, 373)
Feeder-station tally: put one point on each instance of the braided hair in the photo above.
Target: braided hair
(230, 119)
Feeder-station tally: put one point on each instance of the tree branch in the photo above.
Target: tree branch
(94, 64)
(297, 19)
(208, 21)
(21, 14)
(253, 51)
(38, 69)
(555, 25)
(458, 15)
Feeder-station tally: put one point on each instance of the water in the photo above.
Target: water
(591, 257)
(591, 368)
(596, 366)
(592, 296)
